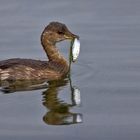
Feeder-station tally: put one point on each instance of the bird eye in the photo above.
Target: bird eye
(60, 33)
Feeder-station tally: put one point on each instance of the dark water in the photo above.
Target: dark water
(107, 72)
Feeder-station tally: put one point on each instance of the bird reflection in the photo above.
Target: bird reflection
(58, 111)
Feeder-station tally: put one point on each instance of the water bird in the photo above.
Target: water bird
(28, 69)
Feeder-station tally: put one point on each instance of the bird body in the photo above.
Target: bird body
(29, 69)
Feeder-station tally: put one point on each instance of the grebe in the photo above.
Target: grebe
(28, 69)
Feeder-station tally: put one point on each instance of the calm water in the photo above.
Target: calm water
(107, 72)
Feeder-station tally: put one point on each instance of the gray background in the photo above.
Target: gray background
(107, 72)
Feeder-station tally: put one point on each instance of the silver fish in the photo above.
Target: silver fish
(75, 49)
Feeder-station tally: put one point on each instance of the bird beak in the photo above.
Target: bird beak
(71, 36)
(75, 36)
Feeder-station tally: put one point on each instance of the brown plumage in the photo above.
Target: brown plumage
(28, 69)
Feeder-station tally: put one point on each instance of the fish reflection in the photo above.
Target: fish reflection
(58, 111)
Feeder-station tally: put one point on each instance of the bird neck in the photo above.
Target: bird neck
(54, 56)
(52, 51)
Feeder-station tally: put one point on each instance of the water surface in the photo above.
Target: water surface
(107, 72)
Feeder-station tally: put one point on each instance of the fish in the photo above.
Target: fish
(75, 49)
